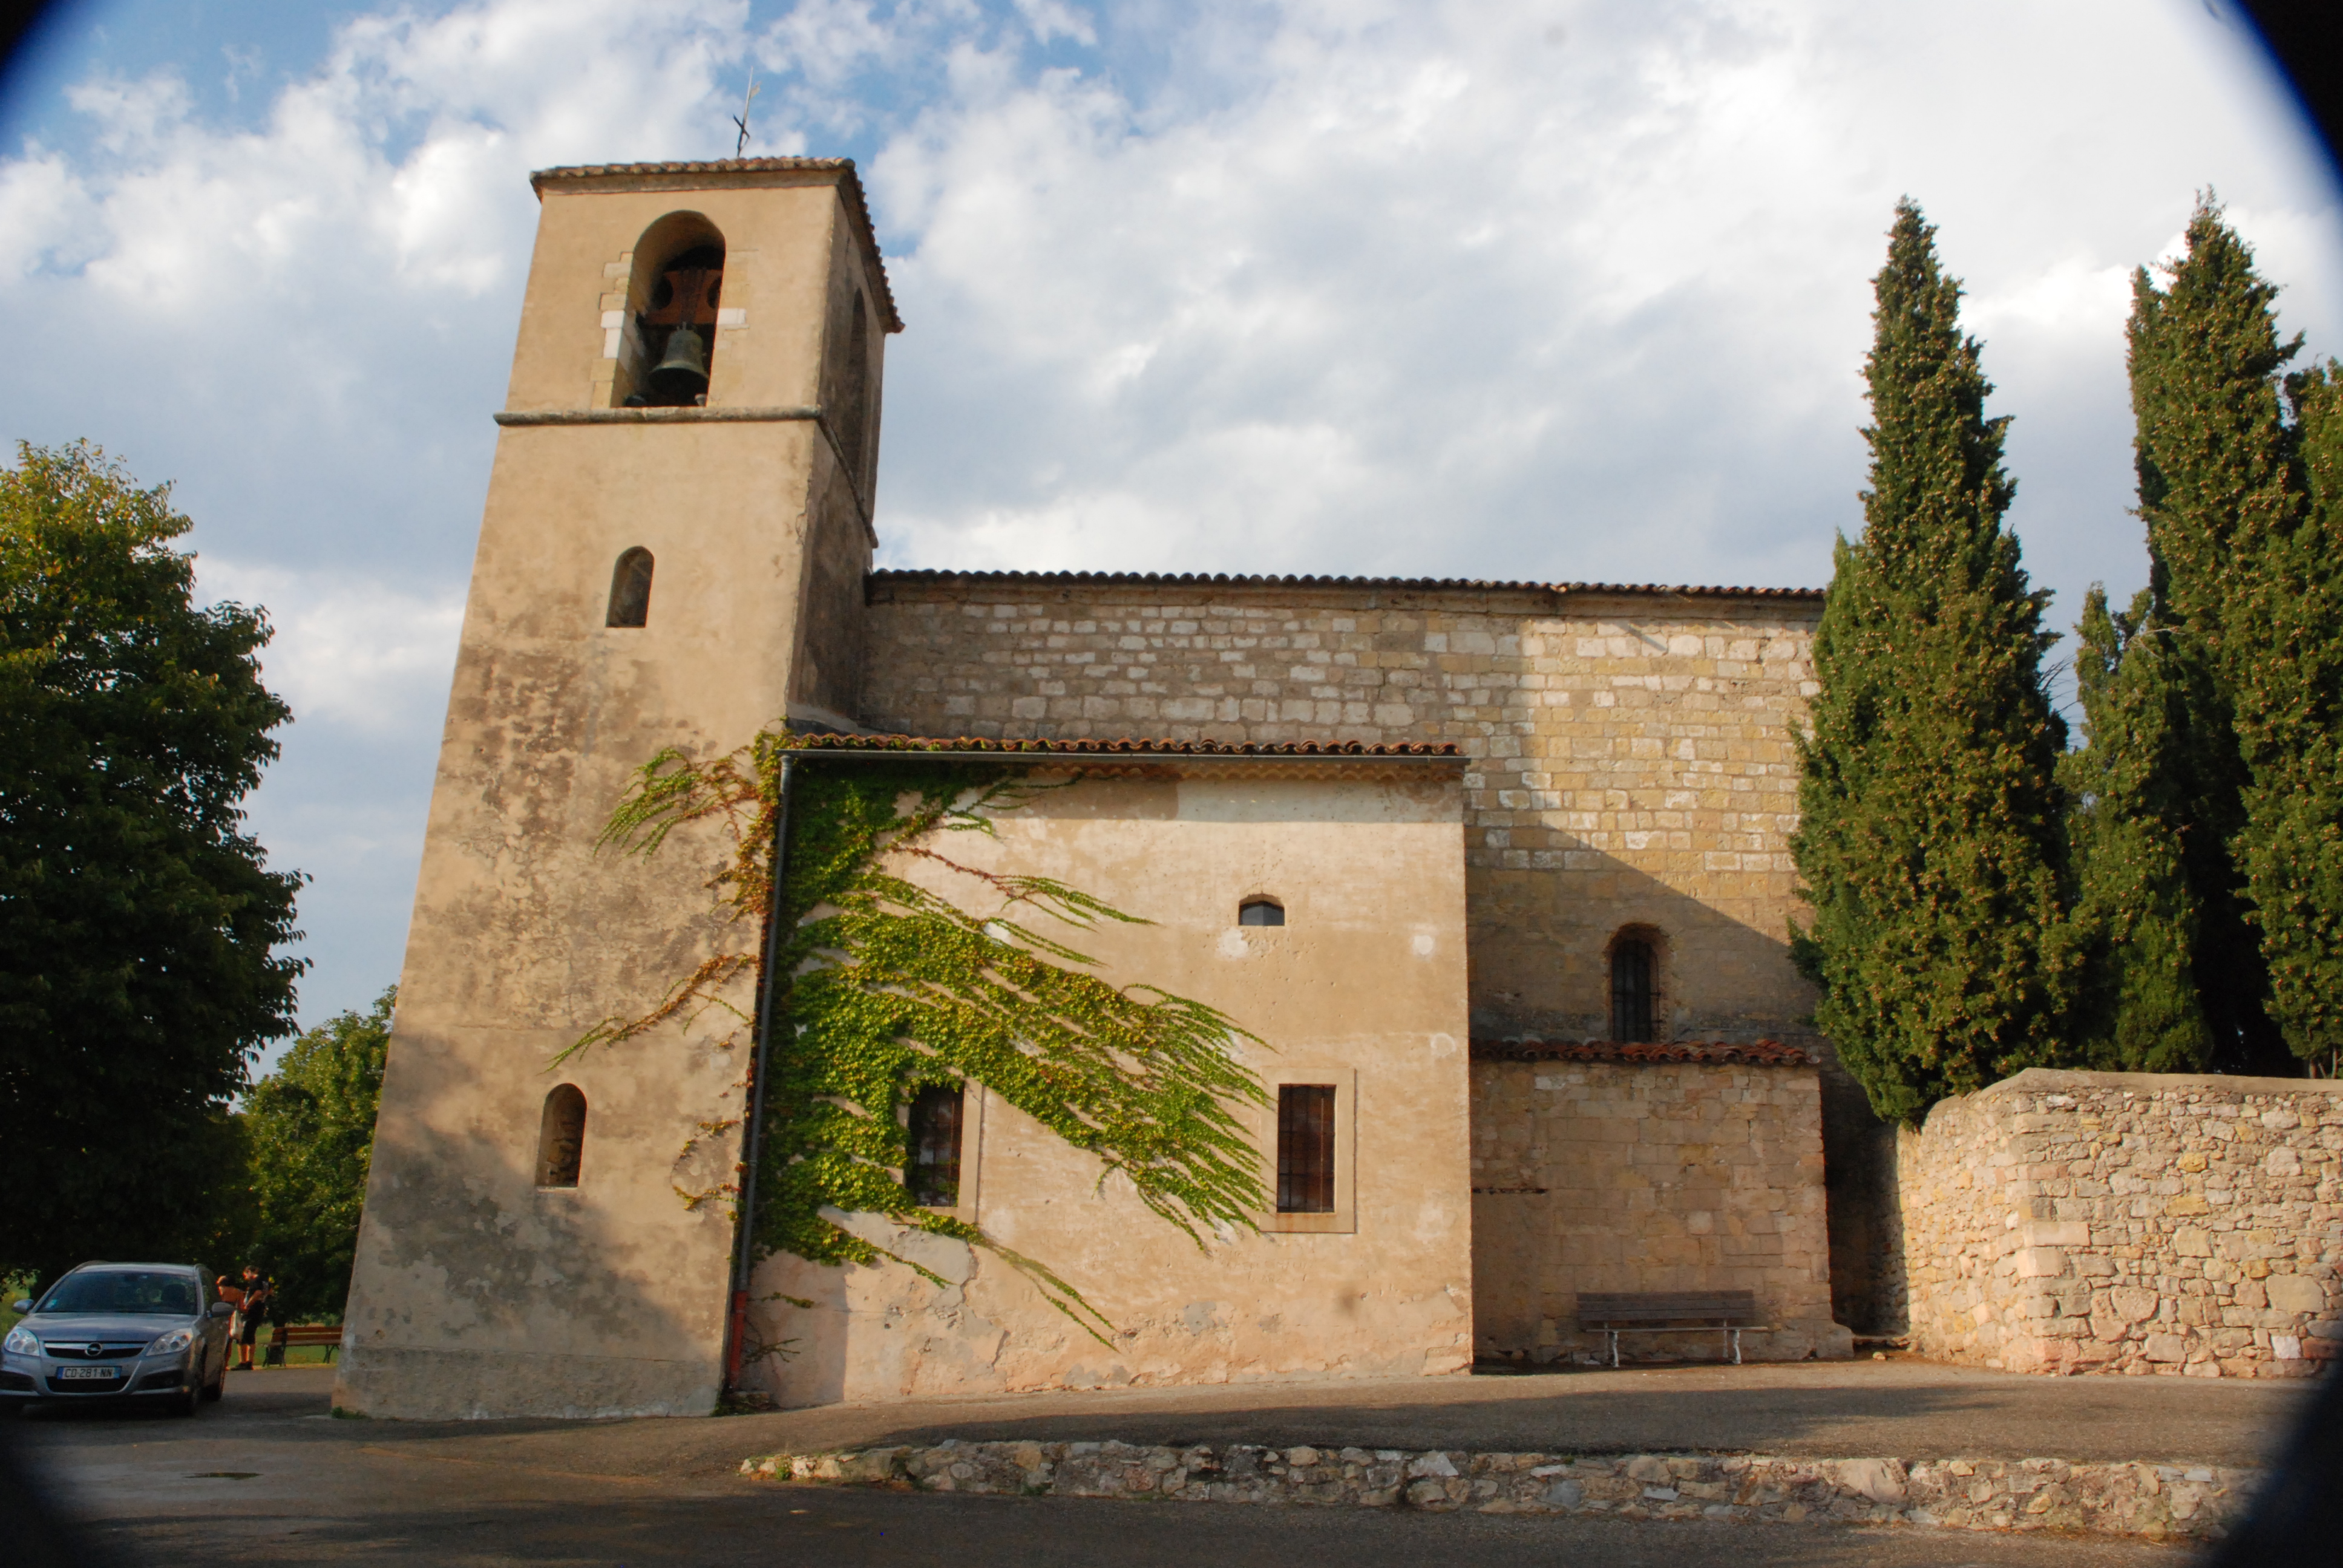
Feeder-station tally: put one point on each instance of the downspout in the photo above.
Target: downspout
(744, 1237)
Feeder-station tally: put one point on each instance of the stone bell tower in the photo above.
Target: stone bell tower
(672, 554)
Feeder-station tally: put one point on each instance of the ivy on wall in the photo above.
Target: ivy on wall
(884, 987)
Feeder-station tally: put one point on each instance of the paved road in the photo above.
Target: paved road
(268, 1476)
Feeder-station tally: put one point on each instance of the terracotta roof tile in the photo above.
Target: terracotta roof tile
(1764, 1054)
(1421, 585)
(850, 187)
(1126, 748)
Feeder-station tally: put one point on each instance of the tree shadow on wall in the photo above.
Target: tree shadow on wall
(1540, 943)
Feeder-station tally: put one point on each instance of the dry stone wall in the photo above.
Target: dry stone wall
(2158, 1502)
(2132, 1222)
(1647, 1176)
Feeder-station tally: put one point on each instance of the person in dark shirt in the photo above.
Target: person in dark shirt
(251, 1298)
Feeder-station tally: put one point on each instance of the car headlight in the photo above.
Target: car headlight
(177, 1340)
(21, 1342)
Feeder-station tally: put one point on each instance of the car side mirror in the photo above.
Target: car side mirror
(21, 1308)
(222, 1310)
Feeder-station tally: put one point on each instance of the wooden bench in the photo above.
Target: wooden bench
(1616, 1312)
(290, 1336)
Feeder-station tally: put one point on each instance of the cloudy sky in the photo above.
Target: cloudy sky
(1574, 290)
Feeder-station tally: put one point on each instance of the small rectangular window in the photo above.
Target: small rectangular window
(934, 1174)
(1305, 1148)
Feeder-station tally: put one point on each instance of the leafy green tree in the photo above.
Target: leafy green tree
(2135, 910)
(1931, 837)
(311, 1130)
(140, 928)
(2222, 498)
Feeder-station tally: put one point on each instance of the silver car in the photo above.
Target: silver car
(147, 1331)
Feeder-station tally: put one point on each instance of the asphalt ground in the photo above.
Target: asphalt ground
(269, 1476)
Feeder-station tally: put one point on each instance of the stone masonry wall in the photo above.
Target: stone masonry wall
(2134, 1223)
(1632, 766)
(1647, 1176)
(1632, 753)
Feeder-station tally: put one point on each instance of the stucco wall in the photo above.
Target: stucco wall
(1363, 987)
(2135, 1222)
(1592, 1175)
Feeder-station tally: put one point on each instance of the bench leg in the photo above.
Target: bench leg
(1736, 1346)
(1614, 1347)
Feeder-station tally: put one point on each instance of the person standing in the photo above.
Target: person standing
(252, 1297)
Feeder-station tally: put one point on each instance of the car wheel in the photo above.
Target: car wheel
(184, 1402)
(218, 1385)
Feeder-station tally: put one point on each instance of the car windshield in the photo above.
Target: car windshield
(123, 1291)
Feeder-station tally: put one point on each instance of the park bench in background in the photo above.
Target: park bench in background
(1616, 1312)
(291, 1336)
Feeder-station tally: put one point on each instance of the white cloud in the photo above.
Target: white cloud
(1451, 287)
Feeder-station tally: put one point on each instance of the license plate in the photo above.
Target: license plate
(88, 1374)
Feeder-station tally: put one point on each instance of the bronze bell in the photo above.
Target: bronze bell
(684, 371)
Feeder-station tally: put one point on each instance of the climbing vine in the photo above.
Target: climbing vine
(884, 987)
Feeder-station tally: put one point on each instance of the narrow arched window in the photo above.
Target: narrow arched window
(933, 1175)
(1260, 912)
(561, 1137)
(630, 589)
(1633, 967)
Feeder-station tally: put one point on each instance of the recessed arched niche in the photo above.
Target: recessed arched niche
(853, 425)
(561, 1137)
(1260, 912)
(630, 589)
(667, 351)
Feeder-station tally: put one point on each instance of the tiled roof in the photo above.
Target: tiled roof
(850, 187)
(1764, 1054)
(1127, 748)
(1414, 585)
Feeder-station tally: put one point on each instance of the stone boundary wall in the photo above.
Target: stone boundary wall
(2135, 1222)
(1647, 1176)
(2158, 1502)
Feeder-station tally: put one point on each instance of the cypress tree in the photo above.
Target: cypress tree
(2220, 500)
(2285, 634)
(2136, 913)
(1931, 839)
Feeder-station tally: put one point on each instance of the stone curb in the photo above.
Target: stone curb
(2156, 1502)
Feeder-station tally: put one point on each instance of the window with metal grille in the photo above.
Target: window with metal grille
(1632, 970)
(630, 589)
(561, 1137)
(1305, 1148)
(1260, 912)
(934, 1174)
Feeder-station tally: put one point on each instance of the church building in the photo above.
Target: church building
(1497, 872)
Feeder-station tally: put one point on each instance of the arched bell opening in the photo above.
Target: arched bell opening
(668, 352)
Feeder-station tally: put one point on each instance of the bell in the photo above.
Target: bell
(684, 371)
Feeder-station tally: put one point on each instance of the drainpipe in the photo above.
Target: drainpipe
(744, 1238)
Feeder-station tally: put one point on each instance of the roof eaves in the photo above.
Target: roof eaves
(1416, 584)
(1709, 1053)
(849, 189)
(979, 746)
